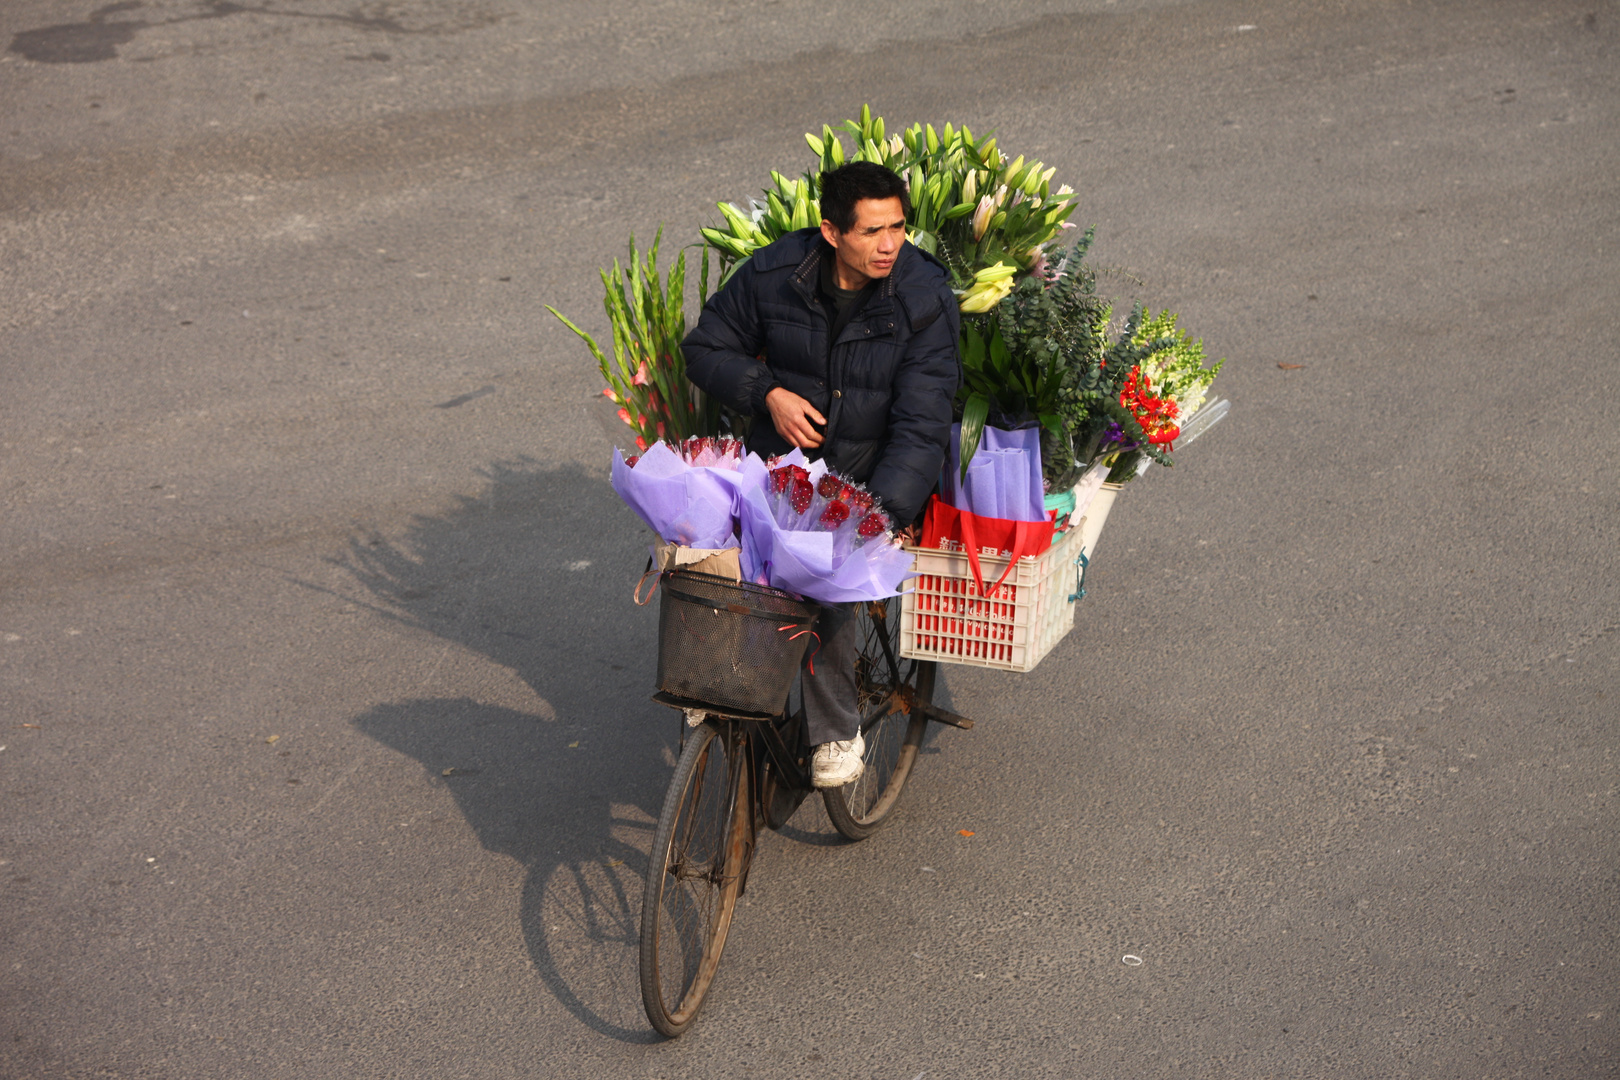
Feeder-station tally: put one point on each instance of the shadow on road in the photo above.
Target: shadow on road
(535, 574)
(98, 38)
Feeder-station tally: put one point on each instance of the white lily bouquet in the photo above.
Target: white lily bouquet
(1040, 349)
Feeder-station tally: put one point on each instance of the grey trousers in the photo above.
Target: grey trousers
(831, 699)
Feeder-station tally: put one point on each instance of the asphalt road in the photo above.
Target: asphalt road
(325, 748)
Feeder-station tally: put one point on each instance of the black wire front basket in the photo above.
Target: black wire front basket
(731, 644)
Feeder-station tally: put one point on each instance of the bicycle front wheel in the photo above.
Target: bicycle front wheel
(891, 692)
(695, 872)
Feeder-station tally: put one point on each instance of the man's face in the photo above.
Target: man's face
(870, 247)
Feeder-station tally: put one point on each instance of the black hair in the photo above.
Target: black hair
(843, 187)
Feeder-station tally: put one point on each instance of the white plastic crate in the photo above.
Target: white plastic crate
(943, 617)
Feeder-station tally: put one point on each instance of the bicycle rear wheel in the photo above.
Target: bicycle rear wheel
(891, 693)
(695, 872)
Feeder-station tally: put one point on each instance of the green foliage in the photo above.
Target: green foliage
(1052, 328)
(1003, 384)
(646, 375)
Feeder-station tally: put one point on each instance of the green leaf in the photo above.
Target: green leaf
(675, 291)
(972, 348)
(732, 269)
(590, 342)
(1000, 358)
(974, 413)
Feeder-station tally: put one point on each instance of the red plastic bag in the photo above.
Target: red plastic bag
(944, 521)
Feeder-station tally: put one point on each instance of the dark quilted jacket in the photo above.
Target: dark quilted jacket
(885, 386)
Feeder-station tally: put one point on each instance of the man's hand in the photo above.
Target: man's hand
(795, 418)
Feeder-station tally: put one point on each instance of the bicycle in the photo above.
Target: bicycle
(738, 769)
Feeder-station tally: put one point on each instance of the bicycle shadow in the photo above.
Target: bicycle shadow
(535, 574)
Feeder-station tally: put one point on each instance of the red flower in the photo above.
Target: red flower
(1156, 415)
(835, 515)
(783, 478)
(829, 485)
(801, 492)
(873, 525)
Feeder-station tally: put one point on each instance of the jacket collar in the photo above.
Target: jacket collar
(806, 274)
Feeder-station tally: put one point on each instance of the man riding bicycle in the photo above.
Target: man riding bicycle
(840, 340)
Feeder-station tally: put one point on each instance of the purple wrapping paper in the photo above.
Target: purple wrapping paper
(812, 563)
(979, 489)
(695, 507)
(1012, 483)
(1004, 477)
(706, 507)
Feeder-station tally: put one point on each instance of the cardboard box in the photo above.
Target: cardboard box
(721, 562)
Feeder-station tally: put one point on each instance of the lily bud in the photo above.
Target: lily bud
(982, 216)
(998, 272)
(970, 186)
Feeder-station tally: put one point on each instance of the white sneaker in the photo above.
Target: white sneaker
(838, 763)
